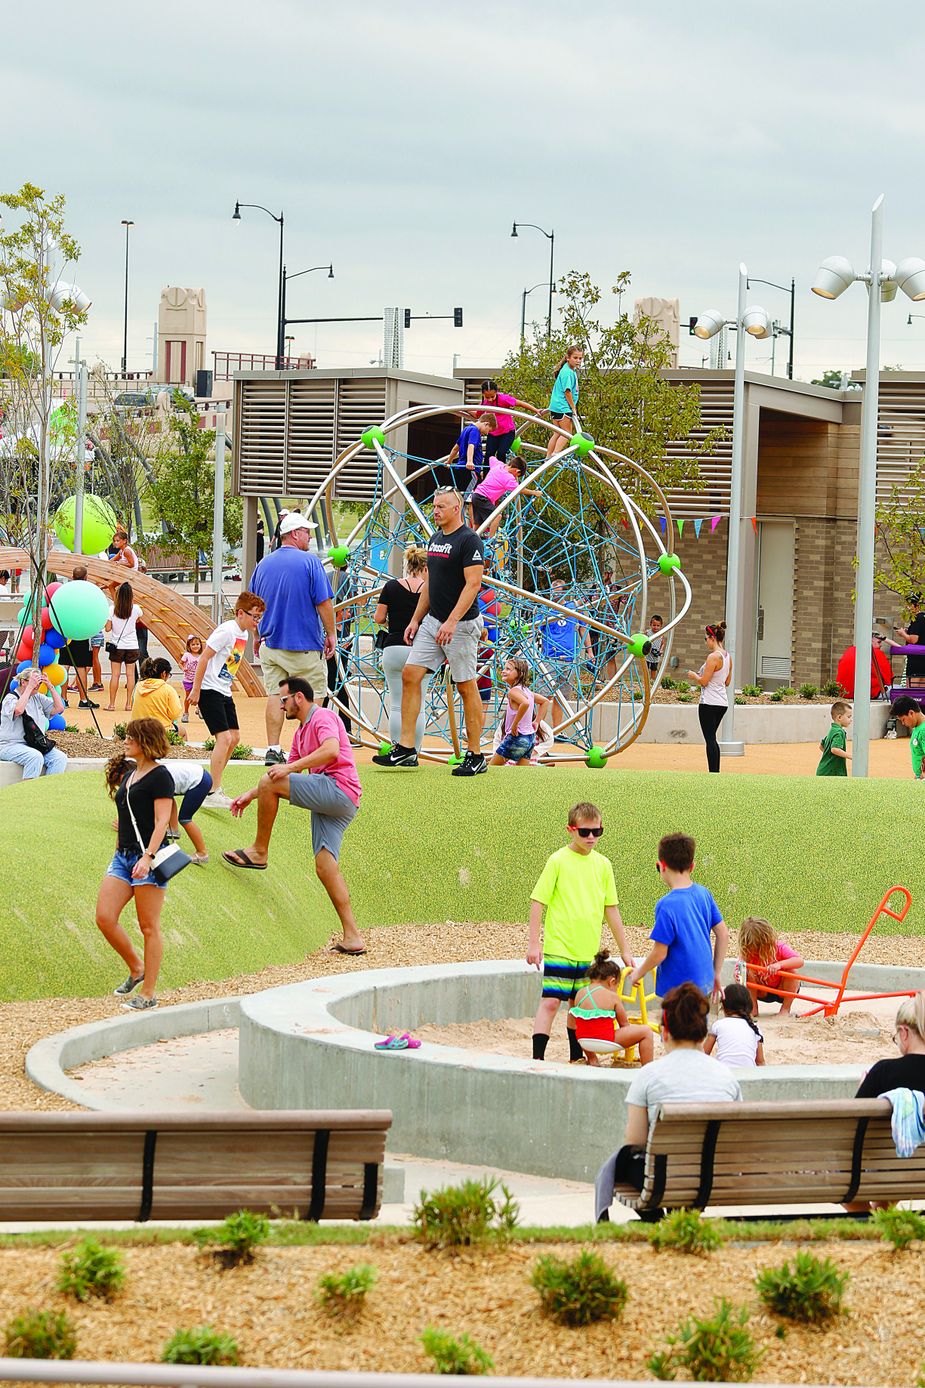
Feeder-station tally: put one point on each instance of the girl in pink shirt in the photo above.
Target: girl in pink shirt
(764, 952)
(502, 435)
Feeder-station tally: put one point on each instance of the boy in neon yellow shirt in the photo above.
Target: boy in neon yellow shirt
(578, 890)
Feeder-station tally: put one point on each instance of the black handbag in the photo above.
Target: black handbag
(33, 736)
(380, 639)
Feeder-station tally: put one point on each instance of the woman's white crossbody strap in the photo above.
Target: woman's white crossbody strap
(128, 802)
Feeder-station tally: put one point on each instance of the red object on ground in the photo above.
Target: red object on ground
(878, 662)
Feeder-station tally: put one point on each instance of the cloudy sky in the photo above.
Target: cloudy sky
(672, 140)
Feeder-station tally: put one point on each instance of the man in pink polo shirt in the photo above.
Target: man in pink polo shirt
(320, 776)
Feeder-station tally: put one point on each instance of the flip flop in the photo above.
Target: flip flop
(339, 949)
(232, 860)
(393, 1043)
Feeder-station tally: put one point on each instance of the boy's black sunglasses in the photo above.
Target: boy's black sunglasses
(594, 832)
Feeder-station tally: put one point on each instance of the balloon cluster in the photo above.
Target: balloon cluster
(71, 612)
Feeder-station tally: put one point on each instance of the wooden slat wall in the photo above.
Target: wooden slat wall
(900, 431)
(360, 402)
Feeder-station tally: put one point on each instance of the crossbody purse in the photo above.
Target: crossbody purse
(167, 861)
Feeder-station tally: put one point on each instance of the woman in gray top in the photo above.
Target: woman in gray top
(13, 746)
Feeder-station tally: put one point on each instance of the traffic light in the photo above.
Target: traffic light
(407, 318)
(457, 317)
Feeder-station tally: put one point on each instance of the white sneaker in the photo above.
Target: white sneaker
(217, 800)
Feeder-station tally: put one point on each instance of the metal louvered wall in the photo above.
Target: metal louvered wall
(900, 431)
(289, 433)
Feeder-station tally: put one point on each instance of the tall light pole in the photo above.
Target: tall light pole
(523, 307)
(294, 276)
(551, 238)
(788, 332)
(755, 322)
(280, 311)
(883, 278)
(126, 224)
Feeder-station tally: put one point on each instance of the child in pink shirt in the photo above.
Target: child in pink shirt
(768, 961)
(502, 479)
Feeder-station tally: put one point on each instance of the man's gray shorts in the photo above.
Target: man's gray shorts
(332, 809)
(461, 654)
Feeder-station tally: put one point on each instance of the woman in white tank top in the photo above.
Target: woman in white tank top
(713, 677)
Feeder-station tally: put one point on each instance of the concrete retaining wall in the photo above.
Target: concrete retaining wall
(754, 723)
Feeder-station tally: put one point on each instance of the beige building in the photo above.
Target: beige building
(181, 335)
(801, 450)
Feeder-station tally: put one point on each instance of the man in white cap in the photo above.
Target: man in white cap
(296, 635)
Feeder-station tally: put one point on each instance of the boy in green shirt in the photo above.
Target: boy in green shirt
(834, 746)
(909, 713)
(578, 890)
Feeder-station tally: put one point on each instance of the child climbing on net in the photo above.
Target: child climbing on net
(763, 951)
(734, 1036)
(597, 1014)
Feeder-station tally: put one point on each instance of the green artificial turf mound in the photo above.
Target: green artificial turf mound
(808, 854)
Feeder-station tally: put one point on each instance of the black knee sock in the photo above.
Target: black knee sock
(574, 1050)
(540, 1042)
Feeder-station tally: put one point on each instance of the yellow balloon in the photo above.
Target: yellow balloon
(43, 688)
(55, 673)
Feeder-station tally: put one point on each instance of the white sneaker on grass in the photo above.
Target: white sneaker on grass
(217, 800)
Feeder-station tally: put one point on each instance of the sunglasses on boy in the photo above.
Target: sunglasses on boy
(585, 832)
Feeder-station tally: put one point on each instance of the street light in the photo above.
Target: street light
(551, 238)
(294, 276)
(832, 279)
(280, 327)
(126, 224)
(778, 330)
(523, 306)
(755, 322)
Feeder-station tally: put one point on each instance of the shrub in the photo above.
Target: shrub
(740, 699)
(685, 698)
(667, 682)
(899, 1227)
(471, 1213)
(90, 1270)
(452, 1356)
(810, 1291)
(580, 1290)
(715, 1349)
(687, 1231)
(776, 696)
(808, 691)
(174, 738)
(242, 752)
(118, 731)
(752, 691)
(342, 1295)
(788, 692)
(683, 687)
(209, 744)
(201, 1345)
(235, 1238)
(833, 690)
(41, 1335)
(71, 728)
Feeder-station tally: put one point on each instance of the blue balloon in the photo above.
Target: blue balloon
(23, 665)
(46, 655)
(57, 723)
(55, 639)
(14, 685)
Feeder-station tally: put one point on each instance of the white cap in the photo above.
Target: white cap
(294, 520)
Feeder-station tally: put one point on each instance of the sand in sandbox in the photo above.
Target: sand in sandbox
(854, 1037)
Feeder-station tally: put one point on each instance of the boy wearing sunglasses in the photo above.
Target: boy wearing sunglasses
(578, 891)
(684, 921)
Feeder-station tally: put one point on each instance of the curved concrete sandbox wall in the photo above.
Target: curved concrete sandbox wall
(311, 1045)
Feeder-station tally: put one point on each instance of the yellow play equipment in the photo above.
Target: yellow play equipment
(636, 1001)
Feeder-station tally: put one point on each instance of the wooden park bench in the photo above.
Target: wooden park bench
(832, 1151)
(140, 1166)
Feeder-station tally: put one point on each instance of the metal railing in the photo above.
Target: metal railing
(226, 363)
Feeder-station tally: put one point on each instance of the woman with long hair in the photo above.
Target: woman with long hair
(122, 646)
(396, 606)
(143, 792)
(713, 677)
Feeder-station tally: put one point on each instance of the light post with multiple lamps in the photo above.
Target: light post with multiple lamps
(882, 279)
(754, 321)
(280, 327)
(126, 224)
(551, 238)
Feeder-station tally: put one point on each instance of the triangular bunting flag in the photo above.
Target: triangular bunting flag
(697, 525)
(755, 524)
(680, 528)
(661, 524)
(714, 522)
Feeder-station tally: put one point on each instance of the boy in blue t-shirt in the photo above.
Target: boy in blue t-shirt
(467, 454)
(684, 921)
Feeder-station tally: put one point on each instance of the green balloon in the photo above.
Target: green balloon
(583, 444)
(516, 446)
(80, 610)
(596, 758)
(99, 524)
(374, 434)
(667, 563)
(339, 556)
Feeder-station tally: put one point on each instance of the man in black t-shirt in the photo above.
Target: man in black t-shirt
(446, 627)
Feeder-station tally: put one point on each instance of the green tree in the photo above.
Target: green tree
(40, 307)
(183, 486)
(835, 380)
(900, 551)
(625, 402)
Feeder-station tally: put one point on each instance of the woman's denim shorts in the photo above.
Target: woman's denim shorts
(121, 867)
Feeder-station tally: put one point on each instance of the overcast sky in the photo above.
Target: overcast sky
(672, 140)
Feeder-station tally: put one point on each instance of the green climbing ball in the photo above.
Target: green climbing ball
(596, 759)
(639, 645)
(339, 556)
(516, 446)
(374, 434)
(583, 444)
(385, 748)
(668, 562)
